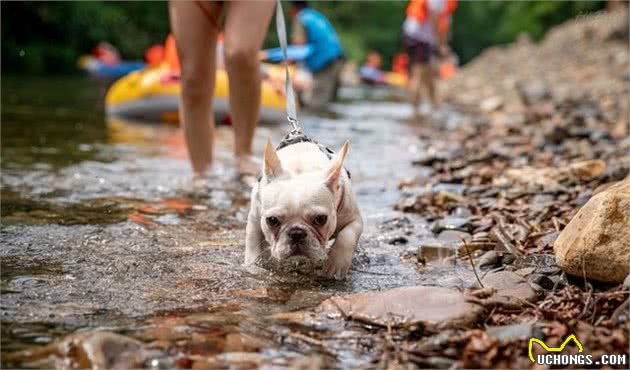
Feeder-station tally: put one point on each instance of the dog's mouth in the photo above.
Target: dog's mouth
(287, 249)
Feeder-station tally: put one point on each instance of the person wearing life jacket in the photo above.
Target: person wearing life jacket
(154, 56)
(425, 30)
(400, 63)
(326, 57)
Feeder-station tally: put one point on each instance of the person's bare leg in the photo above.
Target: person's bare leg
(196, 39)
(246, 24)
(428, 80)
(415, 85)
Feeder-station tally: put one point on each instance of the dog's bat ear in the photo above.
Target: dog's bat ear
(272, 167)
(335, 170)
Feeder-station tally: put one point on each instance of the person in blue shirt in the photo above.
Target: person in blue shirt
(325, 57)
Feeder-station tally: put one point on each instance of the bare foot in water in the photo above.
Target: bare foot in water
(247, 167)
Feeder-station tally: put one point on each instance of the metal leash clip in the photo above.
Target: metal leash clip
(295, 125)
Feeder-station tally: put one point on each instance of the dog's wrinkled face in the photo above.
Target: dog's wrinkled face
(298, 216)
(299, 213)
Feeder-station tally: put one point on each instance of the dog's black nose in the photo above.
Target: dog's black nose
(296, 234)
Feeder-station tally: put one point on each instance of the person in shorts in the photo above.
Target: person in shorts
(425, 30)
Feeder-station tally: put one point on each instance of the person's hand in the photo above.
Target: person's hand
(262, 55)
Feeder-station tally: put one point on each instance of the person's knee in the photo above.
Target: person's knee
(195, 80)
(241, 58)
(194, 89)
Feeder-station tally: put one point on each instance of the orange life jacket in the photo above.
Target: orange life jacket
(418, 9)
(154, 55)
(170, 54)
(400, 63)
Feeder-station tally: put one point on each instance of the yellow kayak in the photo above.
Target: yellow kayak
(153, 94)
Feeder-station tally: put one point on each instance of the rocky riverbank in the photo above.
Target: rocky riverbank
(538, 180)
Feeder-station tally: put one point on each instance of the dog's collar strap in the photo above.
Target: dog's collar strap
(297, 136)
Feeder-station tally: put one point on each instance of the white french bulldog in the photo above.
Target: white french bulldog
(303, 200)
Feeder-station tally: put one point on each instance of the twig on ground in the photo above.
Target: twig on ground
(472, 263)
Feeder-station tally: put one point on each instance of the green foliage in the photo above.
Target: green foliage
(48, 37)
(479, 24)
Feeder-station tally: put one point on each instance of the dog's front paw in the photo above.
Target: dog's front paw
(338, 264)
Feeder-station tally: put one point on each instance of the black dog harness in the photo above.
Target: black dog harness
(296, 137)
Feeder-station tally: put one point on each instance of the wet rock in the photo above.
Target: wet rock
(491, 104)
(429, 307)
(509, 284)
(96, 350)
(509, 333)
(451, 223)
(104, 350)
(433, 249)
(596, 243)
(488, 260)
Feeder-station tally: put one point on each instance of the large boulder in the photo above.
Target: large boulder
(596, 242)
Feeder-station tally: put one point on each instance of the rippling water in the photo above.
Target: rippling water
(98, 231)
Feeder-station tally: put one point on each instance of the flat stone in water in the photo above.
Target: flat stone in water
(431, 307)
(432, 249)
(97, 350)
(509, 284)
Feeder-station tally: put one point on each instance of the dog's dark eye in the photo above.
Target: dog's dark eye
(320, 220)
(273, 221)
